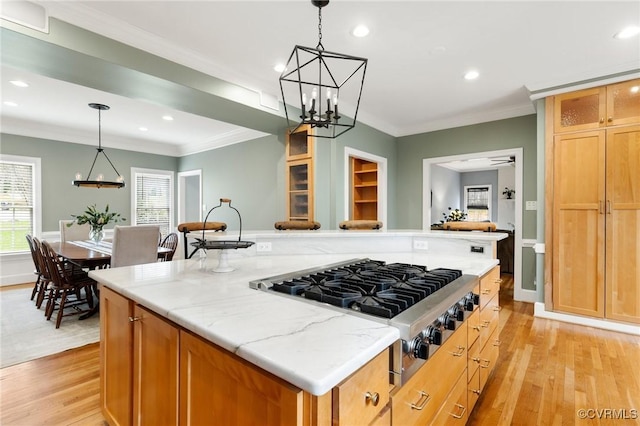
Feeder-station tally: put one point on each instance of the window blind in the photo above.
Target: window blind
(16, 205)
(478, 198)
(153, 200)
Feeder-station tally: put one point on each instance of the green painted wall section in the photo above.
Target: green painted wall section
(61, 160)
(496, 135)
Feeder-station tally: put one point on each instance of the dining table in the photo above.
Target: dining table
(90, 255)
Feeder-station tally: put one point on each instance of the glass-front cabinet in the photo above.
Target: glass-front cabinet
(611, 105)
(299, 175)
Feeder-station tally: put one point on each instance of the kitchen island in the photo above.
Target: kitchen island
(306, 349)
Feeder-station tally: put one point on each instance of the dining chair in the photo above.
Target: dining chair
(65, 289)
(134, 245)
(74, 232)
(170, 242)
(36, 263)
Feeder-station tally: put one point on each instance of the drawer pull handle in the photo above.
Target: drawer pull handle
(497, 342)
(476, 391)
(132, 319)
(487, 291)
(485, 324)
(459, 416)
(486, 363)
(476, 327)
(497, 308)
(373, 397)
(476, 359)
(460, 351)
(498, 280)
(424, 398)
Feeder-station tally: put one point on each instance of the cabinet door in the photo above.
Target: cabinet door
(155, 360)
(623, 103)
(623, 224)
(299, 145)
(217, 387)
(578, 223)
(581, 110)
(116, 361)
(300, 190)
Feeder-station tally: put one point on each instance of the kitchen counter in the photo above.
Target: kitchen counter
(308, 345)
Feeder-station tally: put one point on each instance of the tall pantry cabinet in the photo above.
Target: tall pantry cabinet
(593, 191)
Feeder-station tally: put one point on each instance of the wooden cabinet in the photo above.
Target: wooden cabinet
(154, 372)
(594, 224)
(622, 224)
(138, 364)
(364, 189)
(362, 396)
(419, 400)
(116, 358)
(215, 384)
(300, 175)
(611, 105)
(483, 329)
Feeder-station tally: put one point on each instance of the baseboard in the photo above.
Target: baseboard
(540, 311)
(524, 295)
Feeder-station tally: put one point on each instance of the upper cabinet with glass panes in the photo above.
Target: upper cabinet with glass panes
(604, 106)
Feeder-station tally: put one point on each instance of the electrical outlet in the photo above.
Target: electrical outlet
(420, 245)
(264, 246)
(531, 205)
(477, 249)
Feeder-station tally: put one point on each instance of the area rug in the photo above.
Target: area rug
(25, 333)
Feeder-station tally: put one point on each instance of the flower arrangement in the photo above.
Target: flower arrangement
(96, 219)
(508, 192)
(455, 215)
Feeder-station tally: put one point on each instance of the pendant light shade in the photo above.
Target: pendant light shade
(98, 181)
(317, 81)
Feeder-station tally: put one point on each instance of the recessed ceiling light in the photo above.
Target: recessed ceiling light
(279, 67)
(471, 75)
(167, 118)
(360, 31)
(142, 129)
(11, 104)
(627, 32)
(19, 83)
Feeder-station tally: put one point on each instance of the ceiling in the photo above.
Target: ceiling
(418, 52)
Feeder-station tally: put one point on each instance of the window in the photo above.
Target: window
(153, 198)
(477, 203)
(19, 201)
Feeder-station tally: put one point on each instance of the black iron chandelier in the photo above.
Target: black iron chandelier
(99, 181)
(315, 79)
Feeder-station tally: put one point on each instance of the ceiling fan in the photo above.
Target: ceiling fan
(498, 161)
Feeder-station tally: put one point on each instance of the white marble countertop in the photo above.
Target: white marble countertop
(308, 345)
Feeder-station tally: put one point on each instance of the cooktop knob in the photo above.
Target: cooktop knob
(421, 350)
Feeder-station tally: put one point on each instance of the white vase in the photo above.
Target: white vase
(96, 235)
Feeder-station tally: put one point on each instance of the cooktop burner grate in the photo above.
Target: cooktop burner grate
(370, 286)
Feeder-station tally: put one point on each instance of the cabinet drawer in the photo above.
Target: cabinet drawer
(473, 389)
(489, 320)
(489, 357)
(473, 327)
(418, 401)
(489, 285)
(360, 398)
(454, 411)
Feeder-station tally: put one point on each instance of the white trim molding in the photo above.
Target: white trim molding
(539, 311)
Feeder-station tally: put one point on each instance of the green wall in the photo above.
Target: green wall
(61, 160)
(519, 132)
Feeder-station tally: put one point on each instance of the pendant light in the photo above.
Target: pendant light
(315, 79)
(99, 181)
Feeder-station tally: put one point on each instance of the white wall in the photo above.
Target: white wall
(506, 208)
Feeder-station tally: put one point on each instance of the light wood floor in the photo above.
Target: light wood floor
(546, 372)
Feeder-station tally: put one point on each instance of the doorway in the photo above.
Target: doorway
(190, 196)
(516, 154)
